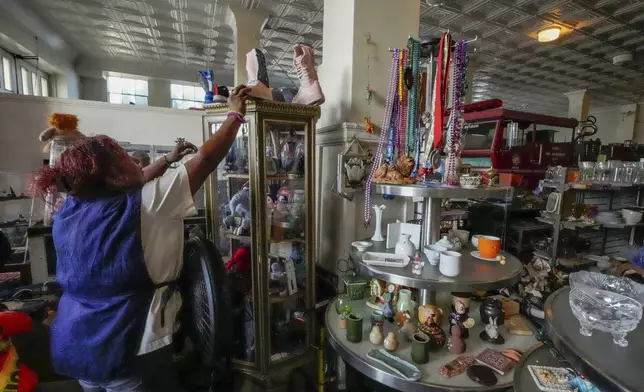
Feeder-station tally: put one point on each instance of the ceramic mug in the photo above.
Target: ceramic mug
(450, 263)
(431, 312)
(433, 253)
(489, 246)
(475, 240)
(420, 348)
(354, 328)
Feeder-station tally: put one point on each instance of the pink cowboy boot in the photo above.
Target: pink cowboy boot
(310, 92)
(257, 75)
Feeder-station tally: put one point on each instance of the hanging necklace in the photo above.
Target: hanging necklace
(391, 90)
(403, 102)
(441, 87)
(412, 115)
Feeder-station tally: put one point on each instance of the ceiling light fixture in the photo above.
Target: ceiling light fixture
(548, 35)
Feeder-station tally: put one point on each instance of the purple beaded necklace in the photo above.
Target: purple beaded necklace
(386, 125)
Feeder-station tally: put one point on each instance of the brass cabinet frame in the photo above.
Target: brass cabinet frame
(259, 114)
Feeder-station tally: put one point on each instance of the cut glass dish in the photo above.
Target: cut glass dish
(606, 303)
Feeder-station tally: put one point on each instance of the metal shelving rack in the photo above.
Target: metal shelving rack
(607, 197)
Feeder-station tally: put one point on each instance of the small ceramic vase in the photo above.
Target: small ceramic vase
(388, 310)
(354, 329)
(492, 308)
(456, 343)
(377, 318)
(391, 343)
(420, 348)
(405, 246)
(375, 337)
(408, 330)
(343, 323)
(404, 302)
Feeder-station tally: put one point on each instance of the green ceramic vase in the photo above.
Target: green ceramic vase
(354, 328)
(420, 348)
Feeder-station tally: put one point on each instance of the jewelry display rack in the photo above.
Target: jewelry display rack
(274, 154)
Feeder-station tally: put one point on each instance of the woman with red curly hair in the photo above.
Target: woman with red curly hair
(119, 243)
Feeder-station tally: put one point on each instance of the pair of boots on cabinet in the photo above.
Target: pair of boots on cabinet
(309, 93)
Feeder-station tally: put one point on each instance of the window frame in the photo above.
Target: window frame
(32, 72)
(195, 102)
(11, 72)
(136, 95)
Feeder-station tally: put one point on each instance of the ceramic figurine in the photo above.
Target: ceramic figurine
(391, 343)
(491, 332)
(458, 318)
(417, 265)
(375, 337)
(431, 313)
(436, 334)
(408, 330)
(456, 343)
(493, 315)
(388, 310)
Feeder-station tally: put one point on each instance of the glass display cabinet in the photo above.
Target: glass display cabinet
(260, 205)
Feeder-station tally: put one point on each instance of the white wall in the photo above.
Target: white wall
(22, 118)
(618, 123)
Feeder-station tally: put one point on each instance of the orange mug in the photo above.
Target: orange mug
(489, 246)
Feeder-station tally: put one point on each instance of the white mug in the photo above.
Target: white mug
(450, 263)
(433, 253)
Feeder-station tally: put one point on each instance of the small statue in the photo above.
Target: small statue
(368, 125)
(388, 310)
(491, 333)
(458, 317)
(417, 265)
(405, 165)
(456, 343)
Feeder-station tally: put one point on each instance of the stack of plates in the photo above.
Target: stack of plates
(609, 218)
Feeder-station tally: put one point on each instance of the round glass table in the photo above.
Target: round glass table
(609, 366)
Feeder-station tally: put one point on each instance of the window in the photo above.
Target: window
(26, 86)
(186, 96)
(44, 87)
(35, 87)
(6, 73)
(127, 90)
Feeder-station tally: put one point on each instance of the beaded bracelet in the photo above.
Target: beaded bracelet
(238, 116)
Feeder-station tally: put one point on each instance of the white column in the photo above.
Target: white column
(578, 104)
(357, 36)
(159, 93)
(247, 28)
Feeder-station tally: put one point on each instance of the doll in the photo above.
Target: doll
(61, 127)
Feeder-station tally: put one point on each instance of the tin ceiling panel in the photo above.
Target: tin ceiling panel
(512, 65)
(164, 30)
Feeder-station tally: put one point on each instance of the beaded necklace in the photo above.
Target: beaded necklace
(386, 124)
(453, 145)
(412, 115)
(403, 97)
